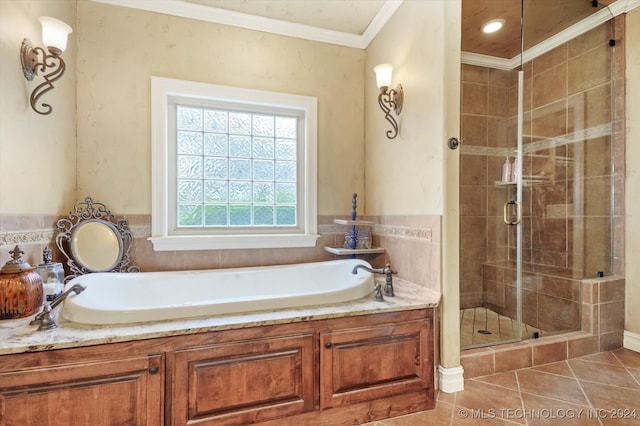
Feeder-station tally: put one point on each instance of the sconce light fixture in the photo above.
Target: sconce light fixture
(37, 59)
(389, 99)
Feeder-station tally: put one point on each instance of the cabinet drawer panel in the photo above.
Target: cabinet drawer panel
(114, 392)
(368, 363)
(387, 360)
(239, 383)
(270, 377)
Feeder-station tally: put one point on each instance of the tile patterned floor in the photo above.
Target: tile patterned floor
(501, 327)
(600, 389)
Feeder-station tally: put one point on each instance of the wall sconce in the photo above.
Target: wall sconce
(36, 59)
(389, 99)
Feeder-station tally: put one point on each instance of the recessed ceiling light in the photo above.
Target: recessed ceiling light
(493, 25)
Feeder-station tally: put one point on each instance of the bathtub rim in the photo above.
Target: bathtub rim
(88, 315)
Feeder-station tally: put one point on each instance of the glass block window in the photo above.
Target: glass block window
(232, 167)
(235, 168)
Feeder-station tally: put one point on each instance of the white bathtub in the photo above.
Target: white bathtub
(120, 298)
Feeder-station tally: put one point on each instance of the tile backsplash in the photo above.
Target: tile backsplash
(411, 242)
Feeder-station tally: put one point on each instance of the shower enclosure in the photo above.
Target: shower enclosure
(537, 176)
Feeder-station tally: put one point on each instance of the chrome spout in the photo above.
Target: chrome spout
(388, 286)
(44, 320)
(366, 268)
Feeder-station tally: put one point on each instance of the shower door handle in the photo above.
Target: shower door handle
(505, 214)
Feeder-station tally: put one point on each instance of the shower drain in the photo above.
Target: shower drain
(484, 332)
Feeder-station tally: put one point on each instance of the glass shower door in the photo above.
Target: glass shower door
(528, 238)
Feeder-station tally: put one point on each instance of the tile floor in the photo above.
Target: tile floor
(500, 327)
(600, 389)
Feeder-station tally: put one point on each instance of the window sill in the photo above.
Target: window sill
(224, 242)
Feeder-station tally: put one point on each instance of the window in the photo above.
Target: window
(232, 167)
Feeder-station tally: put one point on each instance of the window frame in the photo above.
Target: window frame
(164, 91)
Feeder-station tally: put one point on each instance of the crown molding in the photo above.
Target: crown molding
(259, 23)
(581, 27)
(378, 22)
(623, 6)
(486, 61)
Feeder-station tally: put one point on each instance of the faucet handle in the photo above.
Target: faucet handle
(44, 320)
(388, 271)
(388, 286)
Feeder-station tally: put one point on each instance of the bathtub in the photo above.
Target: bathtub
(121, 298)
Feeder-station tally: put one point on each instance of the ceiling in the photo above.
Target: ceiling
(542, 19)
(355, 23)
(348, 16)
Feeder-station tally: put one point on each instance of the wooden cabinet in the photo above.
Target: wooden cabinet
(126, 391)
(243, 383)
(338, 371)
(369, 363)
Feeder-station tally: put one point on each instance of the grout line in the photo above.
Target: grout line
(619, 360)
(591, 406)
(520, 393)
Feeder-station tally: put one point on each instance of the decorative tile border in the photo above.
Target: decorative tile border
(576, 137)
(381, 230)
(140, 231)
(46, 236)
(35, 236)
(401, 231)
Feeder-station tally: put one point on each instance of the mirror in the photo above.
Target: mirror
(92, 241)
(96, 245)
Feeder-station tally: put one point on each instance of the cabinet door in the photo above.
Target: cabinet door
(368, 363)
(125, 391)
(245, 382)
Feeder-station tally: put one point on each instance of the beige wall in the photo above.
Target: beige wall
(632, 202)
(119, 49)
(404, 175)
(37, 152)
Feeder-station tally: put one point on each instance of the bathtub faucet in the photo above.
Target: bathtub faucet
(44, 320)
(388, 286)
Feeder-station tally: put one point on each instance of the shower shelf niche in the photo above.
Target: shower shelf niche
(526, 181)
(341, 251)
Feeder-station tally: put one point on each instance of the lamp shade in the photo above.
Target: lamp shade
(54, 32)
(383, 75)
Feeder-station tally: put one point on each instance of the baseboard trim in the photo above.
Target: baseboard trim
(451, 380)
(631, 341)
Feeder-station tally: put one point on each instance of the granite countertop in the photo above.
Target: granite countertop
(17, 336)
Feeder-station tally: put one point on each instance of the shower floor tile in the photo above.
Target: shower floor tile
(480, 326)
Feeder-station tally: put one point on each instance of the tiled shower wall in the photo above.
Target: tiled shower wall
(568, 155)
(484, 129)
(412, 244)
(569, 163)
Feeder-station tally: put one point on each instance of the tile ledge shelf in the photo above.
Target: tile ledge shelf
(345, 252)
(341, 251)
(353, 222)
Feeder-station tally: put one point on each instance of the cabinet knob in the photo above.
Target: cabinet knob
(327, 345)
(154, 370)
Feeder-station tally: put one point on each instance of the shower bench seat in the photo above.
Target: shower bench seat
(551, 296)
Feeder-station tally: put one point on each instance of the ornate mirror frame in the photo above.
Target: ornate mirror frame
(85, 214)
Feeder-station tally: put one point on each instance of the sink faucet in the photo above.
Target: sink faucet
(388, 286)
(44, 320)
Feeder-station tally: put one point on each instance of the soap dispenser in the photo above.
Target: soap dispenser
(514, 170)
(506, 171)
